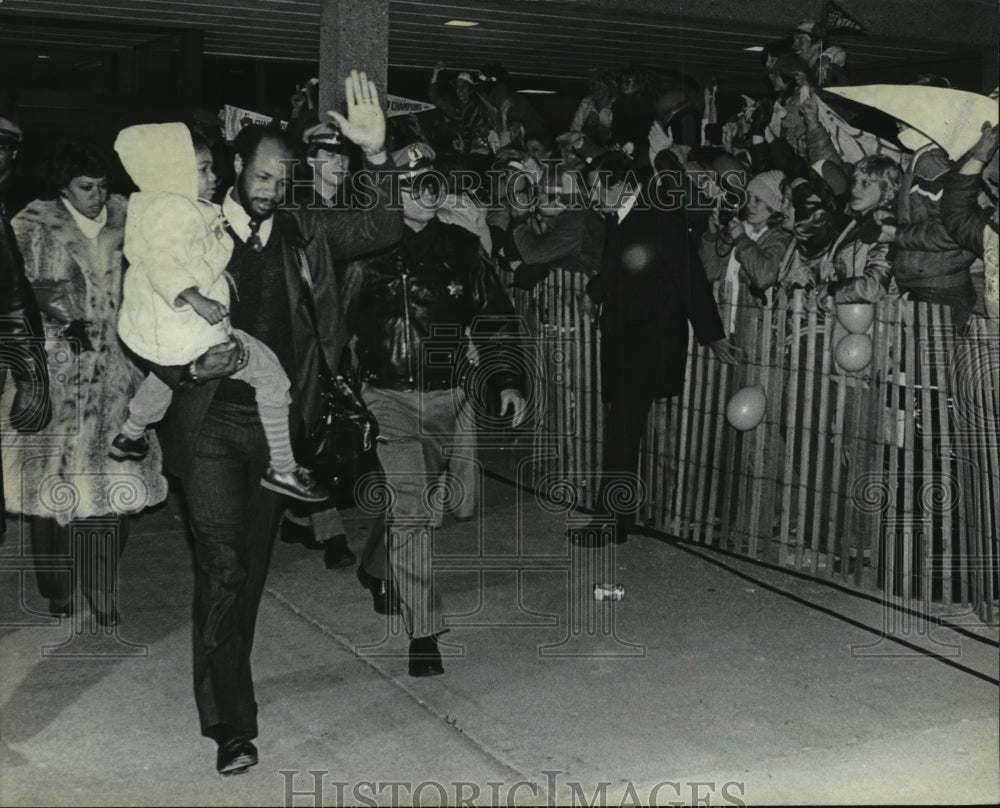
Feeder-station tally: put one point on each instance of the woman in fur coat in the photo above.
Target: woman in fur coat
(63, 477)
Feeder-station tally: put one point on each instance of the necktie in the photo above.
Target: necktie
(255, 243)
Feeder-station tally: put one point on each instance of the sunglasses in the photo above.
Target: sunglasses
(423, 184)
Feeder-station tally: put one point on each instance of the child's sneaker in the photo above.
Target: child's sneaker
(125, 448)
(298, 483)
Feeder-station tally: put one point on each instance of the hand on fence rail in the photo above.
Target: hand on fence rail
(587, 306)
(727, 353)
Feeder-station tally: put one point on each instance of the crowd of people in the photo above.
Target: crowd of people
(348, 243)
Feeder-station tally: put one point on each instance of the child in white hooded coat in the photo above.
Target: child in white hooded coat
(175, 302)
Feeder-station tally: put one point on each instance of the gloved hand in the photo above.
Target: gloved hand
(76, 334)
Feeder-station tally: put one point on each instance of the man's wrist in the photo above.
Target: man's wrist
(192, 371)
(375, 156)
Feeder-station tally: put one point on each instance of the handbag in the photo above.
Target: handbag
(59, 300)
(342, 444)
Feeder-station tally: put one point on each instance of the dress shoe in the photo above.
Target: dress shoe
(298, 483)
(336, 553)
(59, 609)
(235, 756)
(425, 658)
(294, 533)
(598, 534)
(385, 598)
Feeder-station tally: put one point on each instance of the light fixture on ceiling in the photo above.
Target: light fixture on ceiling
(538, 92)
(462, 23)
(43, 56)
(754, 49)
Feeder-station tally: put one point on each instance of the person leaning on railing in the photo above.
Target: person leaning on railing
(973, 226)
(857, 268)
(930, 266)
(554, 232)
(651, 285)
(751, 248)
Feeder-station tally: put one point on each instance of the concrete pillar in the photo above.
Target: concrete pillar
(352, 34)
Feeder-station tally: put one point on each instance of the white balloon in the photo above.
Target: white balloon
(856, 317)
(854, 352)
(747, 407)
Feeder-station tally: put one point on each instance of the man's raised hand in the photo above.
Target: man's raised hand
(365, 121)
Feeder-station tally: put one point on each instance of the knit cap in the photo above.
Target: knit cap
(767, 187)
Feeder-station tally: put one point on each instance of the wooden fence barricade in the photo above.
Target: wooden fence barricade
(886, 479)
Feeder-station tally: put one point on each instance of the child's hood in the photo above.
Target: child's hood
(160, 157)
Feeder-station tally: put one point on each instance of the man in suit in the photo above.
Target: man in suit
(651, 285)
(214, 441)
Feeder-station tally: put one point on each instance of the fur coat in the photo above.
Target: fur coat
(64, 472)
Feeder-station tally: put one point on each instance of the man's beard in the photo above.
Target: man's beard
(246, 201)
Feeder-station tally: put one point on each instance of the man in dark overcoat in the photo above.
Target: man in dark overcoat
(651, 285)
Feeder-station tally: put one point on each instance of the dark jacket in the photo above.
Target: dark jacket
(929, 264)
(963, 218)
(651, 284)
(313, 241)
(574, 240)
(22, 347)
(411, 306)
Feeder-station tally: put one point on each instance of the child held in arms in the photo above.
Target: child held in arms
(175, 303)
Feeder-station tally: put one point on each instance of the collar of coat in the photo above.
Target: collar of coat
(57, 222)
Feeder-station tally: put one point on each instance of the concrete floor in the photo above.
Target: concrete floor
(715, 681)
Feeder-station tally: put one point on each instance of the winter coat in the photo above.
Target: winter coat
(975, 229)
(964, 219)
(651, 284)
(64, 471)
(857, 268)
(425, 291)
(173, 242)
(760, 261)
(929, 264)
(573, 239)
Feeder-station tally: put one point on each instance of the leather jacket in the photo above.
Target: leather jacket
(22, 337)
(416, 308)
(22, 347)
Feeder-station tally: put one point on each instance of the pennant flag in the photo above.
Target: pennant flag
(396, 105)
(840, 21)
(236, 119)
